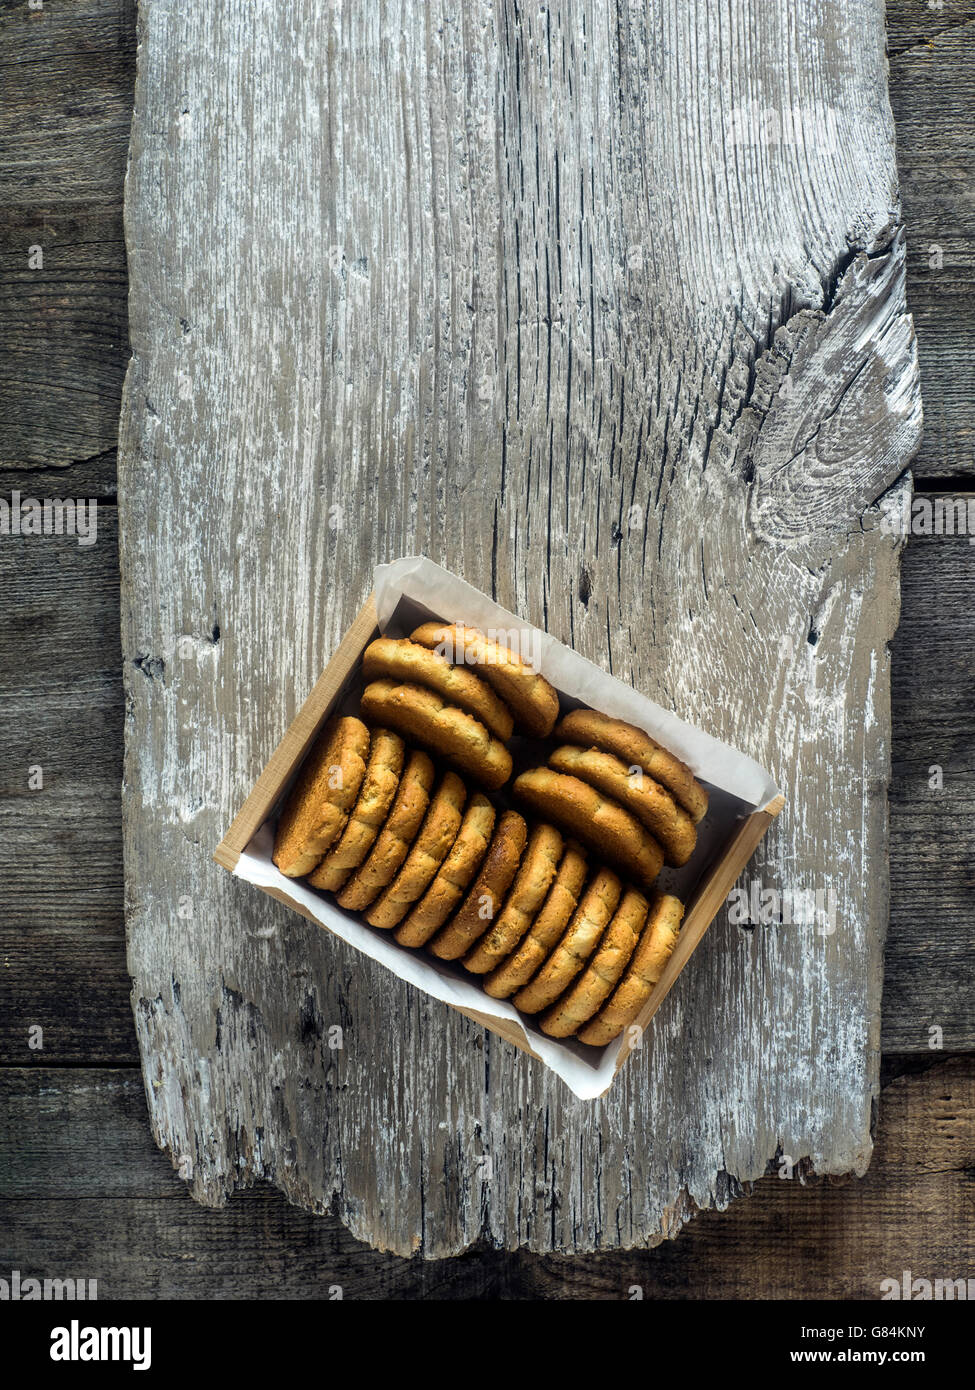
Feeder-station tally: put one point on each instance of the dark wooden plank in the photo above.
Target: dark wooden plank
(78, 1132)
(67, 76)
(76, 987)
(81, 1170)
(92, 477)
(932, 94)
(66, 79)
(62, 944)
(258, 1247)
(88, 477)
(930, 952)
(63, 339)
(78, 1142)
(916, 23)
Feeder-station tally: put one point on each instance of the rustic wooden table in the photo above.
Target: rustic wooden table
(75, 1107)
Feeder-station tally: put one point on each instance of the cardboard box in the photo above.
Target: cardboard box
(744, 801)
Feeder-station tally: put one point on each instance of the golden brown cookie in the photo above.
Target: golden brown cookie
(530, 697)
(427, 853)
(635, 748)
(636, 790)
(318, 804)
(656, 945)
(399, 659)
(456, 872)
(617, 945)
(579, 940)
(424, 715)
(529, 890)
(601, 823)
(386, 753)
(394, 839)
(484, 898)
(547, 928)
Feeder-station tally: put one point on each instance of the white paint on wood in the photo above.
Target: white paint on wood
(496, 282)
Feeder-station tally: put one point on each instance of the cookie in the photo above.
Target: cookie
(383, 770)
(403, 660)
(612, 956)
(601, 823)
(427, 853)
(636, 790)
(579, 940)
(550, 922)
(529, 890)
(424, 715)
(318, 804)
(394, 839)
(635, 748)
(656, 945)
(529, 696)
(454, 876)
(485, 896)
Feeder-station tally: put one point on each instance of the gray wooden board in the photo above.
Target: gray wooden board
(66, 74)
(501, 287)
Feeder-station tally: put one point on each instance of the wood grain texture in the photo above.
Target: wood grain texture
(66, 79)
(514, 298)
(62, 963)
(932, 92)
(930, 955)
(65, 1195)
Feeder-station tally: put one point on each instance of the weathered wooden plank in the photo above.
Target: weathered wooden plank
(85, 478)
(61, 1214)
(73, 985)
(932, 922)
(932, 92)
(510, 284)
(61, 929)
(66, 75)
(78, 1132)
(916, 24)
(64, 341)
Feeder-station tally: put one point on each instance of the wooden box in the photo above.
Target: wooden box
(729, 834)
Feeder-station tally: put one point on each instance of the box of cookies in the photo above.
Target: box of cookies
(501, 823)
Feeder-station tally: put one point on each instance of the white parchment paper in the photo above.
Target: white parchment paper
(737, 785)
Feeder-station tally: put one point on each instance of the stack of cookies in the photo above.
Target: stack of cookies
(553, 908)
